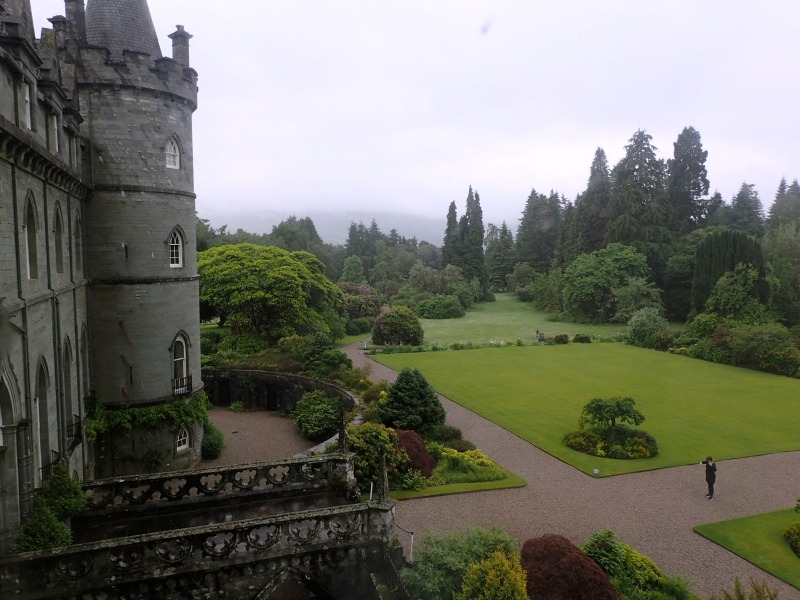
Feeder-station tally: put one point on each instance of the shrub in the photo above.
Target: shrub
(213, 441)
(583, 440)
(792, 535)
(397, 326)
(499, 577)
(439, 307)
(558, 570)
(758, 591)
(359, 325)
(581, 338)
(414, 446)
(641, 569)
(603, 549)
(707, 350)
(210, 339)
(236, 406)
(41, 530)
(63, 494)
(445, 433)
(444, 559)
(369, 442)
(317, 415)
(411, 403)
(562, 338)
(244, 344)
(769, 348)
(295, 345)
(376, 391)
(645, 326)
(460, 445)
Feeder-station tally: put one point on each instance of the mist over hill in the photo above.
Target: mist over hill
(332, 226)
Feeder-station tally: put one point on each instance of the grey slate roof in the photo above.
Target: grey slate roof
(121, 25)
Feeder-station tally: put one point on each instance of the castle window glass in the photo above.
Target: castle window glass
(182, 440)
(78, 245)
(173, 155)
(53, 133)
(58, 235)
(26, 106)
(175, 250)
(181, 382)
(30, 241)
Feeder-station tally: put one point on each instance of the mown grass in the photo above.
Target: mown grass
(506, 319)
(693, 408)
(759, 540)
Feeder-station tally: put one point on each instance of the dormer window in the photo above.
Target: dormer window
(173, 155)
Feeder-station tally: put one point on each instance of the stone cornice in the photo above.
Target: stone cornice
(142, 189)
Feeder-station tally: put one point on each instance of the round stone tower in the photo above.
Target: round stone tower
(140, 231)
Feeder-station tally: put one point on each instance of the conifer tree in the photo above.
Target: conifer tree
(500, 256)
(746, 212)
(687, 181)
(786, 207)
(451, 249)
(592, 206)
(539, 230)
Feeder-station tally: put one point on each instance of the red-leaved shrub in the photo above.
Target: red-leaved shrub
(413, 444)
(558, 570)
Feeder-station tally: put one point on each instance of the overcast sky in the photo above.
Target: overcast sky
(402, 105)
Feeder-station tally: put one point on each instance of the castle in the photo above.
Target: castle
(98, 266)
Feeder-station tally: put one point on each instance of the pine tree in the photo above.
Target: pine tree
(500, 256)
(786, 207)
(746, 212)
(592, 206)
(451, 249)
(539, 230)
(687, 181)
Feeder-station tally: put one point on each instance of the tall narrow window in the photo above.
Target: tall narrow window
(26, 107)
(78, 245)
(53, 139)
(175, 250)
(58, 235)
(30, 241)
(173, 155)
(179, 359)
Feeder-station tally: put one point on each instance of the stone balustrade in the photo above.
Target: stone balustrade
(78, 569)
(287, 476)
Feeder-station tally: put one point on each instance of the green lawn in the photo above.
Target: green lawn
(506, 319)
(692, 407)
(759, 540)
(510, 481)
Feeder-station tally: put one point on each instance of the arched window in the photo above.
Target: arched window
(173, 154)
(182, 440)
(175, 249)
(181, 381)
(78, 244)
(31, 227)
(58, 235)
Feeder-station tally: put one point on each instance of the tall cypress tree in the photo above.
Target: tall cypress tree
(472, 232)
(592, 206)
(451, 249)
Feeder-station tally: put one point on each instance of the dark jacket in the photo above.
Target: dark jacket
(711, 470)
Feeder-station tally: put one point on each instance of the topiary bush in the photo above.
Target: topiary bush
(41, 530)
(63, 494)
(413, 445)
(317, 415)
(411, 403)
(792, 535)
(213, 441)
(557, 570)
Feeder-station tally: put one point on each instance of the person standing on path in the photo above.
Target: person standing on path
(711, 475)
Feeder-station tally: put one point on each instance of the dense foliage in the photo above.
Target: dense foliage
(411, 403)
(608, 435)
(317, 415)
(63, 494)
(213, 441)
(557, 569)
(398, 325)
(792, 535)
(41, 530)
(370, 442)
(444, 559)
(647, 327)
(268, 290)
(413, 445)
(499, 577)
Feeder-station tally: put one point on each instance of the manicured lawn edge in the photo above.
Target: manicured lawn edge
(509, 481)
(759, 540)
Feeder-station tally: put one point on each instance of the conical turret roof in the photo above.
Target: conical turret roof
(121, 25)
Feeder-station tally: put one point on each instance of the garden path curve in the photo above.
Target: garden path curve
(653, 511)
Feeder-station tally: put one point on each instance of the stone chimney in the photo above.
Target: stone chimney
(180, 46)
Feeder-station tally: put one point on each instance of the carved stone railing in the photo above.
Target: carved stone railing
(281, 477)
(69, 571)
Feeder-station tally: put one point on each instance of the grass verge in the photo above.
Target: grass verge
(758, 539)
(509, 481)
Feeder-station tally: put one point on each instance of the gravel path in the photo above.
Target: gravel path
(653, 511)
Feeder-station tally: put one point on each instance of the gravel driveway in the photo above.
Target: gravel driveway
(653, 511)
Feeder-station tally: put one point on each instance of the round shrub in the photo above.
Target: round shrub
(499, 576)
(397, 326)
(439, 307)
(558, 570)
(562, 338)
(317, 415)
(792, 535)
(213, 441)
(411, 403)
(581, 338)
(645, 326)
(369, 442)
(414, 446)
